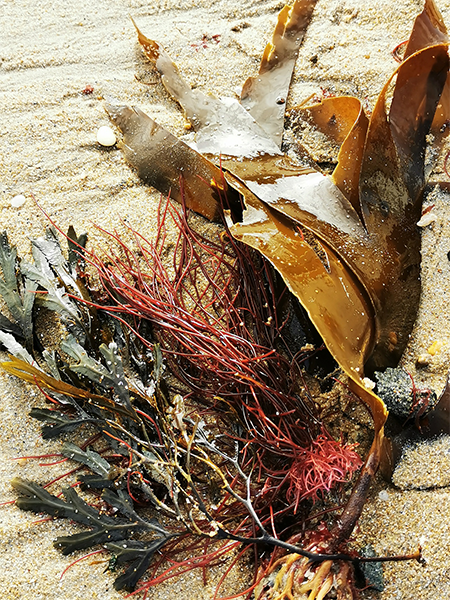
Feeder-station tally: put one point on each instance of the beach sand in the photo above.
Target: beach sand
(49, 53)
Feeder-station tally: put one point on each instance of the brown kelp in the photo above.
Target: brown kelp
(231, 454)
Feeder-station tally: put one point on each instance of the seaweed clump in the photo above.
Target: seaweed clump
(185, 368)
(226, 453)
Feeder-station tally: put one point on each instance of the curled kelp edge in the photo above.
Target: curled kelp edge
(342, 119)
(429, 29)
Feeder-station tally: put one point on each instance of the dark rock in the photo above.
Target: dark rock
(396, 388)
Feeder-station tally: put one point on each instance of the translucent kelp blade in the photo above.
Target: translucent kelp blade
(391, 194)
(223, 126)
(265, 95)
(333, 297)
(342, 119)
(301, 193)
(429, 29)
(162, 160)
(199, 107)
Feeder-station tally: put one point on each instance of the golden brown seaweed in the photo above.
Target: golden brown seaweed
(391, 187)
(388, 168)
(333, 297)
(223, 126)
(375, 179)
(429, 29)
(379, 177)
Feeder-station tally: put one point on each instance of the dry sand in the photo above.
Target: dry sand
(49, 53)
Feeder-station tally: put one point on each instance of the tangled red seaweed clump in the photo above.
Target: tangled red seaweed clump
(321, 467)
(215, 314)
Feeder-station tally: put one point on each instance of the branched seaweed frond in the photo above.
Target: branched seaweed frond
(227, 454)
(216, 313)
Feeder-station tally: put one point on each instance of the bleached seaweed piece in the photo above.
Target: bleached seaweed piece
(265, 95)
(16, 349)
(223, 126)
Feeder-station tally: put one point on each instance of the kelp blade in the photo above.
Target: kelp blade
(386, 258)
(385, 185)
(336, 303)
(223, 126)
(391, 187)
(429, 29)
(333, 297)
(343, 120)
(265, 95)
(167, 163)
(198, 107)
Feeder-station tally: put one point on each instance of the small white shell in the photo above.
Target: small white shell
(426, 220)
(18, 201)
(368, 383)
(106, 136)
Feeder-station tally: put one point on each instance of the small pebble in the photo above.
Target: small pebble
(435, 347)
(423, 360)
(106, 136)
(18, 201)
(395, 387)
(383, 495)
(368, 383)
(426, 220)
